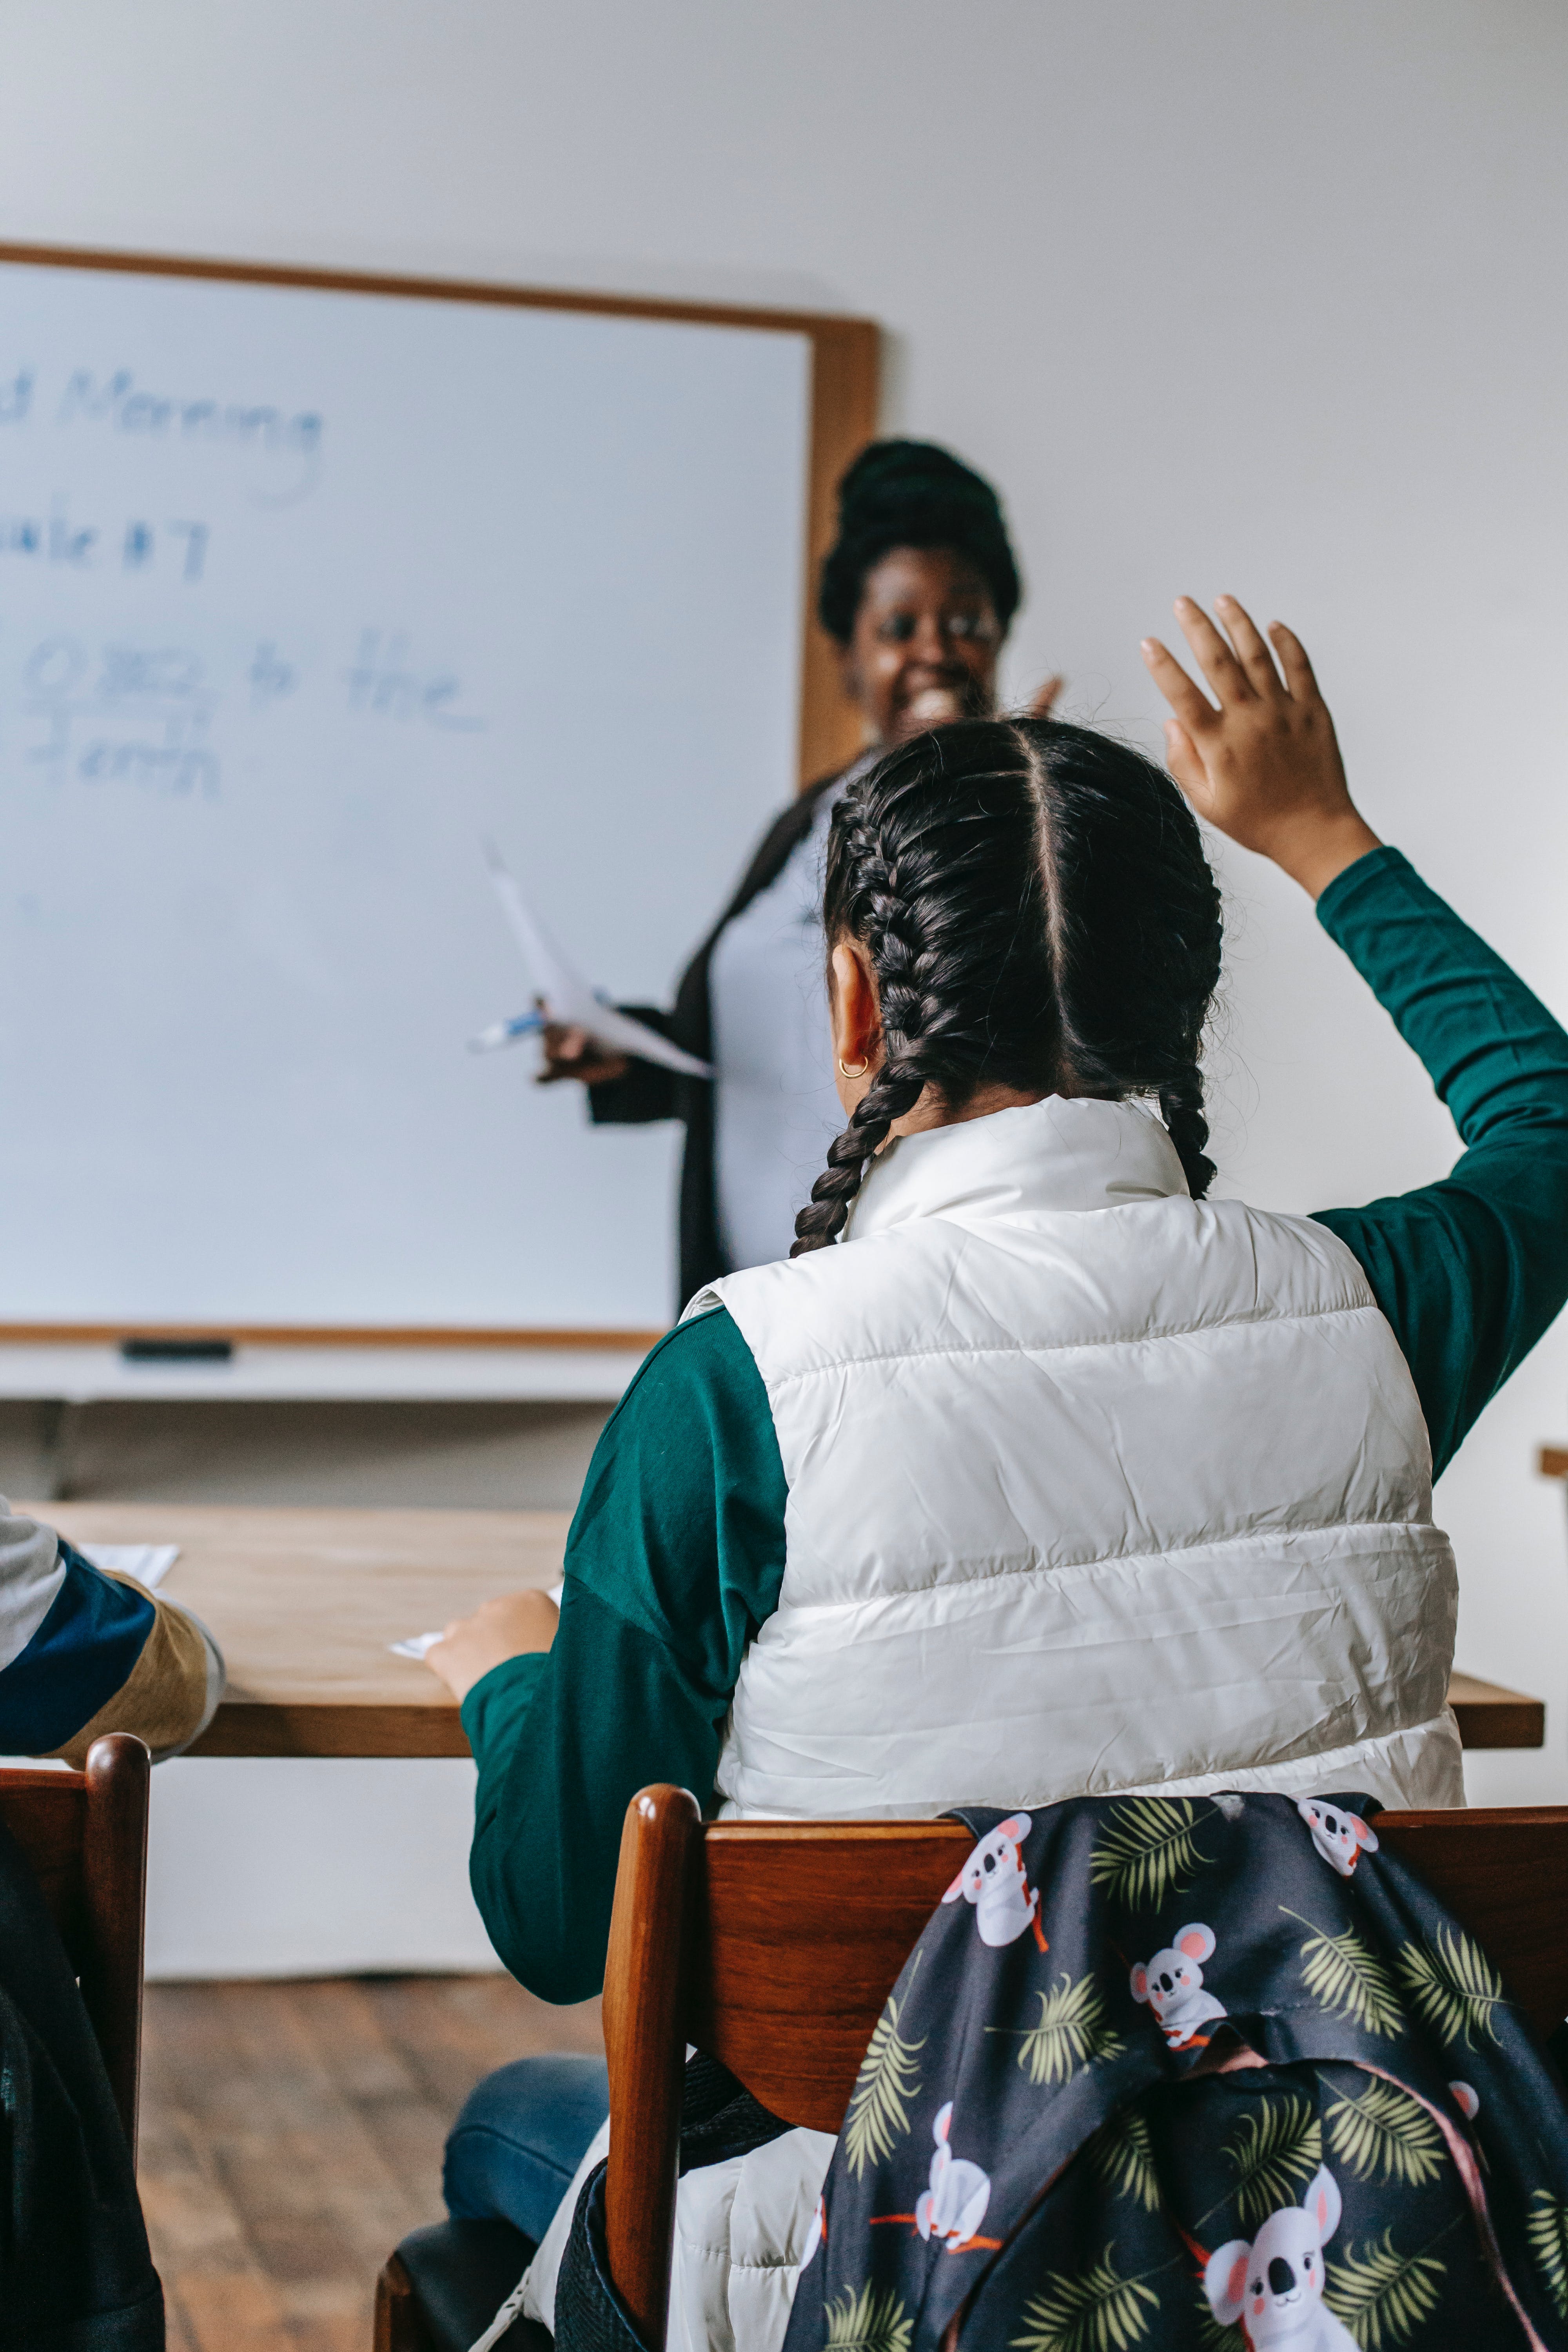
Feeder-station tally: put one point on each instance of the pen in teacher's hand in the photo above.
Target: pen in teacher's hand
(506, 1033)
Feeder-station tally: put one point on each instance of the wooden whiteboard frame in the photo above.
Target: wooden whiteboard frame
(846, 355)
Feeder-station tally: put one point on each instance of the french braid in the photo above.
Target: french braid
(902, 960)
(1038, 914)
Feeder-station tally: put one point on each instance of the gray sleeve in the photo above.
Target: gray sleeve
(31, 1574)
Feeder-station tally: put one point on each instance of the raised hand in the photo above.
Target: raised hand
(1265, 767)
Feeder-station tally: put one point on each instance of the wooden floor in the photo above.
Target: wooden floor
(291, 2133)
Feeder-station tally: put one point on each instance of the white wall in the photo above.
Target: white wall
(1225, 295)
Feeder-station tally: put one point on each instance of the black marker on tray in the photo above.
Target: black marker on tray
(165, 1349)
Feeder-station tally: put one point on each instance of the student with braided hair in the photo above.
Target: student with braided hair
(1088, 976)
(1037, 1472)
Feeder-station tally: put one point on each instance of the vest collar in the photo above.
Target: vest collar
(1038, 1157)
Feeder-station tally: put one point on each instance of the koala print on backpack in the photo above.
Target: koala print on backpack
(1340, 1837)
(953, 2207)
(1172, 1985)
(1274, 2285)
(994, 1880)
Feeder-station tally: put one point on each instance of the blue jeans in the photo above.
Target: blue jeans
(521, 2137)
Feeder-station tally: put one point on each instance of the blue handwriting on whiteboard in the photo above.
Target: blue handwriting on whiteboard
(131, 714)
(385, 683)
(177, 548)
(280, 436)
(271, 678)
(115, 401)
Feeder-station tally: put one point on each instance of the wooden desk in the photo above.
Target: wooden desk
(1490, 1716)
(304, 1604)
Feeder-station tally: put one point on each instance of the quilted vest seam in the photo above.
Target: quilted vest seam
(1071, 1346)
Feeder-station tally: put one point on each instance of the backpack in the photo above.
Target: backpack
(1206, 2073)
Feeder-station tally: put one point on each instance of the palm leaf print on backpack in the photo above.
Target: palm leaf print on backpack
(1382, 2295)
(1548, 2244)
(1147, 1850)
(1275, 2149)
(1452, 1986)
(1382, 2129)
(874, 2320)
(1070, 2031)
(1123, 2155)
(1346, 1976)
(877, 2113)
(1097, 2311)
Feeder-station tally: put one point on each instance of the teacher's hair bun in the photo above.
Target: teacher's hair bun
(913, 494)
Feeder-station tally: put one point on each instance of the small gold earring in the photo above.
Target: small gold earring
(845, 1072)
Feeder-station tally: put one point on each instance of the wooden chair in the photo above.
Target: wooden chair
(85, 1834)
(774, 1944)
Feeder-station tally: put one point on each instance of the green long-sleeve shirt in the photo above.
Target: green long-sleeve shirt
(676, 1552)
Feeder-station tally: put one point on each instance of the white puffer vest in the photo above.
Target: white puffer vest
(1093, 1487)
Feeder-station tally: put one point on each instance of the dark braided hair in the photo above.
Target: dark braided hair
(913, 494)
(1040, 915)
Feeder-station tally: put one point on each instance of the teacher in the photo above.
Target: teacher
(918, 592)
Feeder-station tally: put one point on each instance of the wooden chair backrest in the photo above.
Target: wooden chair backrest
(774, 1944)
(85, 1835)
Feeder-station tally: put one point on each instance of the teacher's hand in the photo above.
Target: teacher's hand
(572, 1053)
(516, 1625)
(1265, 767)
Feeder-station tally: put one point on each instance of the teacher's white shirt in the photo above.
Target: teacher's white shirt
(775, 1108)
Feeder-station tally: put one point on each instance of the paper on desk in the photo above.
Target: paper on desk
(566, 995)
(418, 1643)
(148, 1563)
(415, 1646)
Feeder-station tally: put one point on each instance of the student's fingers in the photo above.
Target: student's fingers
(1215, 658)
(1043, 697)
(1183, 760)
(1190, 705)
(1251, 650)
(1298, 670)
(510, 1625)
(440, 1660)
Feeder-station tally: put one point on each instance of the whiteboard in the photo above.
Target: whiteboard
(303, 592)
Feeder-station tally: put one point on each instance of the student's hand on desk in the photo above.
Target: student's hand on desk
(514, 1626)
(1265, 768)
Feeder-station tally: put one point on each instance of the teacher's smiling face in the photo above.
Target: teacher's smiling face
(924, 645)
